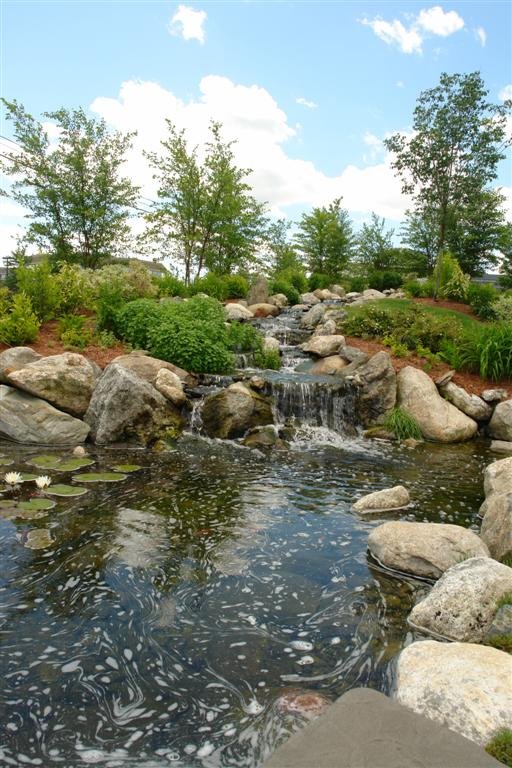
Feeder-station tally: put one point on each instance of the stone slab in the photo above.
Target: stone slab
(365, 729)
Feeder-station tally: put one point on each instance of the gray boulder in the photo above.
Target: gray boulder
(309, 299)
(438, 420)
(330, 365)
(258, 292)
(67, 381)
(338, 290)
(14, 358)
(501, 446)
(238, 312)
(376, 380)
(463, 603)
(498, 477)
(423, 549)
(500, 426)
(383, 501)
(370, 294)
(279, 299)
(494, 395)
(323, 346)
(235, 410)
(472, 405)
(313, 316)
(28, 419)
(147, 368)
(461, 685)
(125, 407)
(170, 386)
(496, 530)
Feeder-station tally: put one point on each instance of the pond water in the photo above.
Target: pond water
(173, 608)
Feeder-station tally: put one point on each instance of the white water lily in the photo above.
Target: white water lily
(43, 482)
(12, 478)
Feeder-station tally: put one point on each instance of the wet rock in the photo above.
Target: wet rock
(170, 386)
(258, 292)
(376, 380)
(262, 437)
(332, 365)
(279, 299)
(323, 346)
(500, 426)
(496, 530)
(28, 419)
(309, 299)
(461, 685)
(230, 413)
(438, 420)
(472, 405)
(238, 312)
(147, 368)
(304, 704)
(270, 344)
(125, 407)
(15, 358)
(381, 501)
(313, 316)
(264, 310)
(494, 395)
(501, 446)
(498, 477)
(423, 549)
(463, 603)
(66, 381)
(257, 383)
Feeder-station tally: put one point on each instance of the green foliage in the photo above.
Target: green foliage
(106, 339)
(402, 425)
(281, 286)
(319, 280)
(237, 286)
(453, 283)
(73, 286)
(73, 332)
(133, 321)
(109, 301)
(325, 239)
(384, 280)
(268, 359)
(481, 299)
(357, 284)
(169, 285)
(414, 288)
(242, 337)
(396, 347)
(502, 309)
(374, 244)
(114, 285)
(21, 324)
(211, 284)
(500, 747)
(294, 276)
(5, 300)
(39, 284)
(488, 351)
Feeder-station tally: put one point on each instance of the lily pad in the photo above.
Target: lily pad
(101, 477)
(26, 477)
(126, 467)
(26, 510)
(5, 461)
(39, 538)
(61, 463)
(65, 490)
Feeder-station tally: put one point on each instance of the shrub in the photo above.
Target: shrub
(319, 280)
(74, 288)
(453, 283)
(269, 359)
(237, 286)
(109, 301)
(21, 325)
(106, 339)
(291, 293)
(500, 746)
(169, 285)
(131, 281)
(211, 284)
(5, 300)
(242, 337)
(402, 425)
(72, 331)
(294, 277)
(481, 298)
(39, 284)
(502, 309)
(488, 351)
(133, 321)
(357, 284)
(381, 281)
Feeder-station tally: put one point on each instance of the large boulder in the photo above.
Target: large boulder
(498, 477)
(463, 603)
(264, 310)
(279, 299)
(496, 529)
(147, 367)
(313, 316)
(438, 420)
(14, 358)
(330, 365)
(383, 501)
(309, 299)
(371, 294)
(423, 549)
(125, 407)
(28, 419)
(472, 405)
(230, 413)
(461, 685)
(323, 346)
(376, 380)
(258, 292)
(67, 381)
(170, 386)
(338, 290)
(238, 312)
(271, 344)
(500, 426)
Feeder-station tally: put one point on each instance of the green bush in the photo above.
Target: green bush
(21, 324)
(109, 300)
(242, 337)
(39, 284)
(488, 351)
(72, 331)
(211, 284)
(168, 285)
(268, 359)
(294, 277)
(453, 283)
(106, 339)
(500, 747)
(319, 280)
(481, 298)
(74, 288)
(357, 284)
(237, 286)
(502, 309)
(381, 281)
(291, 293)
(133, 321)
(5, 300)
(402, 425)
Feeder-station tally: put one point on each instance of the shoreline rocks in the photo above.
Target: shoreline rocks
(387, 500)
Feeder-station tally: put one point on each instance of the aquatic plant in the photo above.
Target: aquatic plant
(402, 425)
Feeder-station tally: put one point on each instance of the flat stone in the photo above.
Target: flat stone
(323, 346)
(386, 500)
(370, 294)
(463, 603)
(28, 419)
(501, 446)
(147, 367)
(463, 686)
(445, 378)
(496, 529)
(500, 426)
(365, 729)
(472, 405)
(14, 358)
(423, 549)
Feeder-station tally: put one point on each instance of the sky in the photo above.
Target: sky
(309, 90)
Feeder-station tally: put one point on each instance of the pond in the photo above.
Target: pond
(175, 607)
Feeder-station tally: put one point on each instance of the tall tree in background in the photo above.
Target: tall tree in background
(206, 216)
(374, 244)
(458, 140)
(78, 200)
(326, 240)
(283, 255)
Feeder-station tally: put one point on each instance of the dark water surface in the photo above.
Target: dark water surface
(173, 608)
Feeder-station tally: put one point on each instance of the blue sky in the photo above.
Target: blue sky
(309, 89)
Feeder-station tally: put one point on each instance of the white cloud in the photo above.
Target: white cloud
(481, 36)
(305, 103)
(506, 92)
(188, 23)
(410, 39)
(439, 22)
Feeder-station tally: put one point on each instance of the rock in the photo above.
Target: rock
(170, 386)
(313, 316)
(79, 450)
(500, 446)
(461, 685)
(423, 549)
(28, 419)
(262, 437)
(279, 299)
(230, 413)
(496, 530)
(330, 365)
(376, 380)
(147, 368)
(498, 477)
(258, 292)
(338, 290)
(372, 295)
(125, 407)
(411, 443)
(306, 704)
(338, 315)
(327, 328)
(264, 310)
(438, 420)
(14, 358)
(270, 344)
(383, 501)
(353, 354)
(472, 405)
(238, 312)
(257, 382)
(445, 378)
(323, 346)
(501, 624)
(353, 295)
(494, 395)
(463, 603)
(309, 299)
(500, 426)
(66, 381)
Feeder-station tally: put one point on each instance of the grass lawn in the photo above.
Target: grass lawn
(466, 321)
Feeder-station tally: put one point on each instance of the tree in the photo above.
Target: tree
(374, 244)
(283, 254)
(420, 234)
(206, 216)
(78, 201)
(326, 240)
(457, 143)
